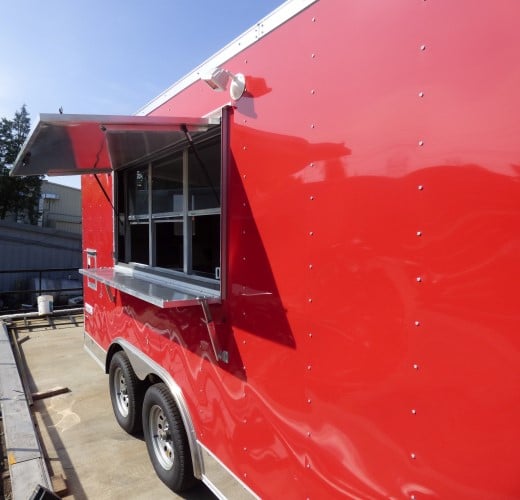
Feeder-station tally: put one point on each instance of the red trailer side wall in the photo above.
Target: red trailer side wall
(372, 311)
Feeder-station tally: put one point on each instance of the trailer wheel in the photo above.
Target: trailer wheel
(126, 393)
(166, 439)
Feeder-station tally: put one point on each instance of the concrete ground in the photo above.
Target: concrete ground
(81, 437)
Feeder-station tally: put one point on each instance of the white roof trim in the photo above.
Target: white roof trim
(269, 23)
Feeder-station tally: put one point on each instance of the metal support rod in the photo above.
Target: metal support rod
(111, 296)
(210, 324)
(57, 312)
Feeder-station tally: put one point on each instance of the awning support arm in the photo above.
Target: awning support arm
(106, 194)
(199, 161)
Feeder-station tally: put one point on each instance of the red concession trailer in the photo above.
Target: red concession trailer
(302, 260)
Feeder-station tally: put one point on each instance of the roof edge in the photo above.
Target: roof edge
(263, 27)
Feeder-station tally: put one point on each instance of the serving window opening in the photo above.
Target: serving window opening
(169, 211)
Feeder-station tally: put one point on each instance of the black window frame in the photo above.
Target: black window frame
(190, 151)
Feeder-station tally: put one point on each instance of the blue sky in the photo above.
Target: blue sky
(109, 57)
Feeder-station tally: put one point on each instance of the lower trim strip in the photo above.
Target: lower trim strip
(94, 349)
(220, 480)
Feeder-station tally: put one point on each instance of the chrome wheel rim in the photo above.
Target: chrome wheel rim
(121, 392)
(161, 437)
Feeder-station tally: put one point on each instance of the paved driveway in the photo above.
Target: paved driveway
(80, 434)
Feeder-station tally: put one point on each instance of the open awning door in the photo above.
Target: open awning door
(86, 144)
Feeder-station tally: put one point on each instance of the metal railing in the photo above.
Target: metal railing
(23, 286)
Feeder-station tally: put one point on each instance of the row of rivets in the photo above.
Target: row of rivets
(310, 265)
(309, 300)
(313, 91)
(244, 259)
(418, 279)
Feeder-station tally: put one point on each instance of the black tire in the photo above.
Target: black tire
(126, 393)
(166, 439)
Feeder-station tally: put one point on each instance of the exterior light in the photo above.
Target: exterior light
(219, 78)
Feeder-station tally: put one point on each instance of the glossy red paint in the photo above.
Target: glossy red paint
(372, 311)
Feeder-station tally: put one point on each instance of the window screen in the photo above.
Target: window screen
(169, 210)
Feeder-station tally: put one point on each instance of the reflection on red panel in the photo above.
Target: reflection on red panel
(372, 312)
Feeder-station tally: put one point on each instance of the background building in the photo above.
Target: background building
(44, 256)
(60, 207)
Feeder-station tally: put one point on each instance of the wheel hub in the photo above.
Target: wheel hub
(161, 437)
(121, 390)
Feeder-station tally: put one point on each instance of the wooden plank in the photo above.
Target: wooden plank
(20, 437)
(59, 485)
(22, 447)
(50, 393)
(26, 476)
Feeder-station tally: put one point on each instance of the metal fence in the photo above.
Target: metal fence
(20, 288)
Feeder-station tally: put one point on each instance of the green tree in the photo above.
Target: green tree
(18, 195)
